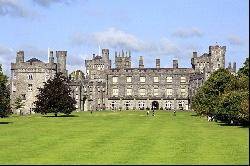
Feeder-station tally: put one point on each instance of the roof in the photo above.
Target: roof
(34, 60)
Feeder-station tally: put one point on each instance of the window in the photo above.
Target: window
(129, 79)
(183, 91)
(218, 59)
(13, 87)
(14, 76)
(30, 77)
(23, 96)
(156, 91)
(169, 92)
(29, 87)
(168, 105)
(169, 79)
(142, 79)
(76, 89)
(77, 97)
(115, 79)
(218, 65)
(141, 105)
(183, 79)
(156, 79)
(142, 92)
(129, 91)
(115, 92)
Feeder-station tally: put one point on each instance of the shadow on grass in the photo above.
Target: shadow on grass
(5, 122)
(61, 116)
(226, 124)
(194, 115)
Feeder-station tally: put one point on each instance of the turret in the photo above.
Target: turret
(217, 54)
(105, 54)
(20, 57)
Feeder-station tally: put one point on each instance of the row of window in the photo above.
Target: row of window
(143, 79)
(30, 77)
(142, 91)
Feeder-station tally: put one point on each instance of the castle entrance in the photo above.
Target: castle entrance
(155, 105)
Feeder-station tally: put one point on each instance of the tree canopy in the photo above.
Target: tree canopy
(55, 97)
(225, 96)
(5, 109)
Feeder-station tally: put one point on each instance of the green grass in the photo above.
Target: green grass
(121, 138)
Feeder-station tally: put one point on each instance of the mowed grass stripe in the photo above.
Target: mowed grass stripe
(121, 138)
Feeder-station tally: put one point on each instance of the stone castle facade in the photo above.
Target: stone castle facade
(121, 87)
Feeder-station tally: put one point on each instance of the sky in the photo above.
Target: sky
(165, 29)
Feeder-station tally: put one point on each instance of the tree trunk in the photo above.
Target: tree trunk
(55, 114)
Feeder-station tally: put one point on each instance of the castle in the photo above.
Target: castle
(121, 87)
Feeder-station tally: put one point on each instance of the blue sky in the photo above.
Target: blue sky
(164, 29)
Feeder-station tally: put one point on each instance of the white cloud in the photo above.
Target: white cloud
(118, 39)
(15, 9)
(187, 33)
(235, 40)
(112, 38)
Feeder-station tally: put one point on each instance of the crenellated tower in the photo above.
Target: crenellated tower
(123, 60)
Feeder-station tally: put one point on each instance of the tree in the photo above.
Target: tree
(55, 97)
(77, 75)
(5, 109)
(19, 104)
(245, 69)
(230, 107)
(207, 97)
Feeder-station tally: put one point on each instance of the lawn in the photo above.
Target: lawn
(126, 137)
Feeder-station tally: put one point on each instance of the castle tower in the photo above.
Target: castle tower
(105, 54)
(157, 63)
(20, 57)
(217, 54)
(61, 62)
(51, 57)
(175, 64)
(141, 65)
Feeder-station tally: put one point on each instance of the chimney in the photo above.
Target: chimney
(195, 54)
(141, 62)
(175, 64)
(157, 61)
(51, 57)
(229, 66)
(234, 67)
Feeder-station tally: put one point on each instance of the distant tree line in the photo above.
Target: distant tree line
(225, 96)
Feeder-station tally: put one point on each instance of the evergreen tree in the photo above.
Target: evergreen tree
(19, 103)
(5, 109)
(55, 97)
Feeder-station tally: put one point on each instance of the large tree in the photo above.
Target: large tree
(206, 99)
(55, 97)
(5, 109)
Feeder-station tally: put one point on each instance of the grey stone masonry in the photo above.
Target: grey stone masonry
(122, 87)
